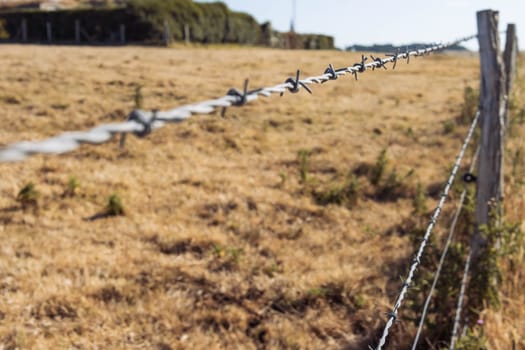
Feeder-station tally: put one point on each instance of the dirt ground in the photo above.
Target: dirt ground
(233, 234)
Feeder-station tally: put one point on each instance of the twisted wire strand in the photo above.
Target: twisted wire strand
(443, 255)
(142, 122)
(392, 316)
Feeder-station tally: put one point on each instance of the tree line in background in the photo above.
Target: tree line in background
(149, 21)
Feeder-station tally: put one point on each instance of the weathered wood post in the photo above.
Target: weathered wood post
(24, 30)
(77, 31)
(509, 56)
(492, 109)
(49, 32)
(122, 34)
(187, 33)
(167, 36)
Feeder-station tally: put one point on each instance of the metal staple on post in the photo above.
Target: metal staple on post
(69, 141)
(392, 316)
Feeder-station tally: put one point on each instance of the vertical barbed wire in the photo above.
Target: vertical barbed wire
(460, 301)
(392, 316)
(443, 255)
(142, 123)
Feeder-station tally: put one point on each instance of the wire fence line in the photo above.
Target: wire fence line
(392, 316)
(142, 123)
(443, 255)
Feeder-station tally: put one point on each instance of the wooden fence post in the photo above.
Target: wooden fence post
(49, 32)
(187, 33)
(492, 109)
(510, 56)
(77, 31)
(167, 36)
(123, 34)
(24, 30)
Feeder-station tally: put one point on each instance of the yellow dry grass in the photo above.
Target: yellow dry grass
(221, 247)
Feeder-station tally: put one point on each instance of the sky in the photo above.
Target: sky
(384, 21)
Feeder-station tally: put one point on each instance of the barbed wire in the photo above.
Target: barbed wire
(444, 254)
(142, 123)
(460, 301)
(392, 316)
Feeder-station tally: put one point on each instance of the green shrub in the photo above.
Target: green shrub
(242, 28)
(114, 206)
(28, 195)
(419, 202)
(71, 187)
(473, 339)
(208, 22)
(392, 187)
(378, 170)
(449, 126)
(346, 193)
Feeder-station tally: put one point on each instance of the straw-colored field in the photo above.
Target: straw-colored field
(227, 240)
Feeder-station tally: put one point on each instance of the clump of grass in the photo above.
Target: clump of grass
(410, 133)
(473, 339)
(518, 165)
(71, 187)
(226, 258)
(449, 126)
(419, 202)
(283, 177)
(318, 292)
(28, 196)
(303, 157)
(272, 270)
(504, 246)
(470, 106)
(378, 170)
(346, 193)
(114, 206)
(393, 186)
(138, 97)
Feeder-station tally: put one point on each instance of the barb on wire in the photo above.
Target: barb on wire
(417, 259)
(242, 97)
(294, 85)
(360, 67)
(140, 121)
(380, 63)
(144, 121)
(407, 55)
(443, 255)
(333, 74)
(394, 57)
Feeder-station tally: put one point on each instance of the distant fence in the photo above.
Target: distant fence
(496, 71)
(117, 26)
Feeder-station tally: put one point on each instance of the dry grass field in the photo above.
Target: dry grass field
(234, 236)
